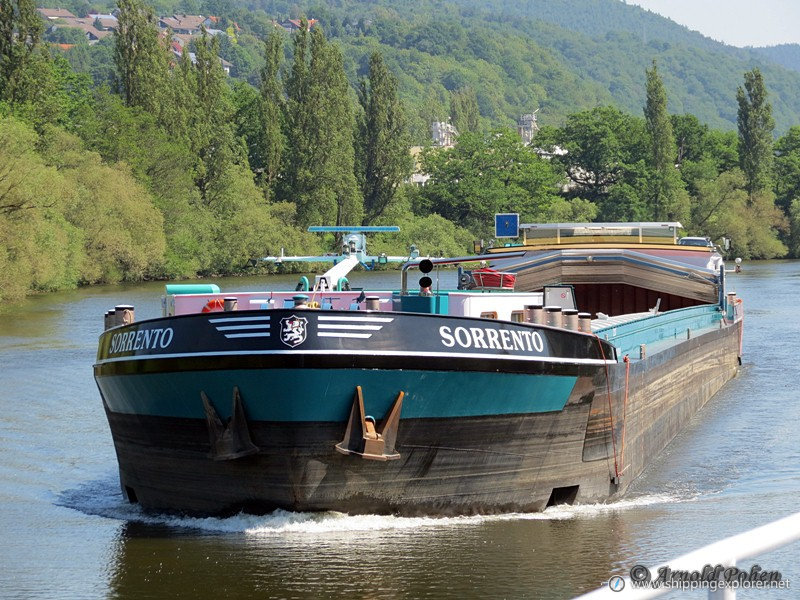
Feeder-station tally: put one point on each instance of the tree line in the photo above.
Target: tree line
(174, 173)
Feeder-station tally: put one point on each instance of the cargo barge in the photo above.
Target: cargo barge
(483, 399)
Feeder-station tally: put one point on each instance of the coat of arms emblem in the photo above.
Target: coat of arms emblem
(293, 330)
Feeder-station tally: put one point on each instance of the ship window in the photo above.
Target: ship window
(489, 315)
(518, 316)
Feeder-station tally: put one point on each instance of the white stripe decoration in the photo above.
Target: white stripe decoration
(338, 326)
(370, 353)
(226, 319)
(248, 331)
(348, 327)
(358, 319)
(246, 335)
(362, 336)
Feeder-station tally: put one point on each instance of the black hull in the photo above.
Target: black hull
(470, 473)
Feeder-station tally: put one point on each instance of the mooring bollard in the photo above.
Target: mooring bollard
(554, 316)
(571, 321)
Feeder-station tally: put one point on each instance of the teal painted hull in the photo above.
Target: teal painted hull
(326, 395)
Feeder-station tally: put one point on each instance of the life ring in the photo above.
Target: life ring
(214, 305)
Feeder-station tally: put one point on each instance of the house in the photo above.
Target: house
(51, 14)
(181, 39)
(444, 134)
(86, 25)
(527, 127)
(292, 25)
(187, 24)
(106, 22)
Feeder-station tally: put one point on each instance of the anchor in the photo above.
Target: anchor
(361, 438)
(229, 440)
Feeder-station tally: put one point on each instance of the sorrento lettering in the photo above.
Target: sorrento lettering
(139, 340)
(497, 339)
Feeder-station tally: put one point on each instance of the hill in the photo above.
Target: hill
(559, 56)
(786, 55)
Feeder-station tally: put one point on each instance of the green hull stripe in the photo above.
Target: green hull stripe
(327, 394)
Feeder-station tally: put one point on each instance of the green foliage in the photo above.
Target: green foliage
(755, 131)
(141, 59)
(606, 149)
(787, 168)
(210, 114)
(66, 35)
(122, 230)
(464, 112)
(187, 175)
(239, 220)
(320, 175)
(431, 234)
(66, 218)
(794, 228)
(722, 207)
(666, 197)
(96, 61)
(20, 32)
(562, 56)
(382, 157)
(486, 174)
(271, 143)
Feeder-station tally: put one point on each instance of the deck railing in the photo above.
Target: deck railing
(717, 558)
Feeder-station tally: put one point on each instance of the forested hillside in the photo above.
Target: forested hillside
(557, 56)
(140, 156)
(787, 55)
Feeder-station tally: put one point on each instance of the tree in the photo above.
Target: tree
(690, 138)
(464, 113)
(605, 148)
(794, 231)
(21, 29)
(787, 168)
(141, 59)
(486, 174)
(382, 148)
(723, 207)
(320, 173)
(665, 186)
(210, 125)
(297, 121)
(755, 132)
(272, 142)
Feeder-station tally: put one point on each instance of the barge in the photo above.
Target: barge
(481, 399)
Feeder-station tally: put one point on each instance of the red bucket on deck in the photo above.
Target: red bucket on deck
(489, 278)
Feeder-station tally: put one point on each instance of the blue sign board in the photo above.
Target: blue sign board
(506, 225)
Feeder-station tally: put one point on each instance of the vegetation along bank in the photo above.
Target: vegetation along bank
(150, 152)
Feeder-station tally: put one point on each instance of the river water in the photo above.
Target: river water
(67, 533)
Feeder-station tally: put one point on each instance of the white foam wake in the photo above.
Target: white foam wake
(103, 498)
